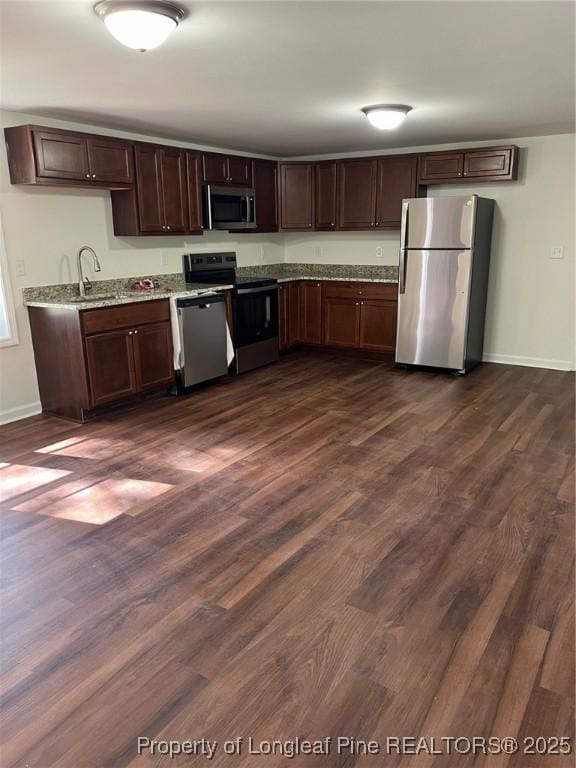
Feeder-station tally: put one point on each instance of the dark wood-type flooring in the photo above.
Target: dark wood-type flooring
(327, 546)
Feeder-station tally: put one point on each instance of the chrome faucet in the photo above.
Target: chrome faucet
(83, 283)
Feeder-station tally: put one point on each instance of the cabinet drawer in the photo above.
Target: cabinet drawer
(124, 316)
(335, 290)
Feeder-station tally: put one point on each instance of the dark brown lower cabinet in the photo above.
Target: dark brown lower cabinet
(153, 363)
(111, 369)
(289, 325)
(377, 325)
(343, 315)
(341, 322)
(310, 312)
(93, 357)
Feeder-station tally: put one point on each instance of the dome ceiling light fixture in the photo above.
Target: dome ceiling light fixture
(386, 116)
(140, 25)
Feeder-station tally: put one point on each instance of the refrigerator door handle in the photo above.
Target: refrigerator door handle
(402, 271)
(404, 224)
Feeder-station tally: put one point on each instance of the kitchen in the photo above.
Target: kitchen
(283, 488)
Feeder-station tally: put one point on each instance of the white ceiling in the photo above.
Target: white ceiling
(289, 78)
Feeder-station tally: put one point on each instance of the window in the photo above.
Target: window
(8, 331)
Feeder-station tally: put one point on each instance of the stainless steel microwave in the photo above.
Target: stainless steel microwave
(229, 208)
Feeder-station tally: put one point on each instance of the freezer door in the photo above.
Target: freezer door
(438, 222)
(433, 309)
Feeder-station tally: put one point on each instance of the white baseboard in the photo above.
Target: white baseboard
(531, 362)
(21, 412)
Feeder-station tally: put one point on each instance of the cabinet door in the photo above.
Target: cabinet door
(396, 181)
(240, 171)
(489, 162)
(61, 156)
(111, 371)
(173, 169)
(296, 196)
(149, 188)
(110, 160)
(310, 312)
(294, 313)
(325, 197)
(357, 194)
(215, 168)
(194, 178)
(266, 190)
(283, 316)
(378, 325)
(153, 356)
(341, 322)
(441, 166)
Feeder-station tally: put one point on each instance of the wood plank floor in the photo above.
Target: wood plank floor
(325, 547)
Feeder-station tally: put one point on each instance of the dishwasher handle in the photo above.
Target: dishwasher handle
(199, 301)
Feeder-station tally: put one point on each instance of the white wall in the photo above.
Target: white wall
(530, 313)
(531, 299)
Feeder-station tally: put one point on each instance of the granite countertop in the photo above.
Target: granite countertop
(365, 273)
(66, 296)
(110, 293)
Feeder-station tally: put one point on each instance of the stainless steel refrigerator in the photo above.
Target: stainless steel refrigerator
(443, 281)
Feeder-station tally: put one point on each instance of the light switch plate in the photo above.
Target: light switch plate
(20, 267)
(163, 259)
(557, 252)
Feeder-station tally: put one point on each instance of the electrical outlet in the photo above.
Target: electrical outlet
(261, 252)
(379, 252)
(317, 252)
(163, 259)
(557, 252)
(20, 267)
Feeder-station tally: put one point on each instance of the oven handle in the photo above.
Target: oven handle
(265, 288)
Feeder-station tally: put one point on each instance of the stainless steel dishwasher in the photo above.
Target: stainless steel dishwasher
(203, 335)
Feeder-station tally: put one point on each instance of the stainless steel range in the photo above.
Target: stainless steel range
(254, 307)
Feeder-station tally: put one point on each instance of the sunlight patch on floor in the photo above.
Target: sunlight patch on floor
(105, 500)
(91, 448)
(18, 478)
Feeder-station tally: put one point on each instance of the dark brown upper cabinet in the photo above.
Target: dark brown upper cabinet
(441, 166)
(491, 163)
(51, 156)
(357, 193)
(194, 179)
(158, 204)
(110, 160)
(265, 173)
(397, 180)
(325, 195)
(227, 169)
(482, 164)
(174, 189)
(296, 196)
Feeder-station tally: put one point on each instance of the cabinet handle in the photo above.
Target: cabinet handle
(135, 331)
(168, 227)
(163, 226)
(93, 175)
(465, 173)
(459, 173)
(87, 175)
(130, 333)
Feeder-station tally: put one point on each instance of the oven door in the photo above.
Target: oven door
(255, 314)
(229, 208)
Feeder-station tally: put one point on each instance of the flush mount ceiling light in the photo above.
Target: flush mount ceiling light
(140, 25)
(386, 116)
